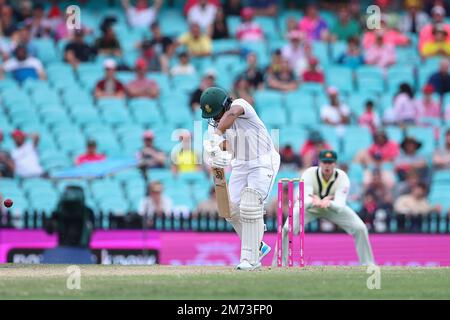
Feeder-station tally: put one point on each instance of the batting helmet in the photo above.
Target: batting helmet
(212, 101)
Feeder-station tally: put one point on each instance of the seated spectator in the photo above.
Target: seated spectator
(427, 105)
(62, 32)
(142, 86)
(264, 7)
(313, 25)
(441, 157)
(313, 73)
(149, 156)
(438, 45)
(110, 86)
(241, 89)
(283, 79)
(414, 205)
(405, 109)
(353, 56)
(380, 53)
(336, 112)
(208, 80)
(414, 20)
(310, 150)
(23, 67)
(373, 211)
(78, 51)
(158, 50)
(412, 179)
(409, 159)
(155, 203)
(382, 147)
(184, 66)
(253, 73)
(209, 205)
(426, 33)
(369, 118)
(197, 44)
(25, 155)
(39, 25)
(91, 154)
(291, 25)
(8, 24)
(290, 160)
(232, 8)
(186, 159)
(440, 81)
(294, 52)
(389, 36)
(378, 171)
(203, 14)
(345, 26)
(219, 28)
(275, 62)
(6, 162)
(142, 15)
(108, 44)
(249, 30)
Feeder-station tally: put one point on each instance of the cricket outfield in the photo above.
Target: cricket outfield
(189, 282)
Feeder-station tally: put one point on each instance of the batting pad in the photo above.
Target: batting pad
(252, 211)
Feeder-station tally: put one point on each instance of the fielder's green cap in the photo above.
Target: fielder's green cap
(327, 156)
(212, 101)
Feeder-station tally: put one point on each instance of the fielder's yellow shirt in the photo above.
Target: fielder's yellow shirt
(201, 45)
(187, 161)
(433, 48)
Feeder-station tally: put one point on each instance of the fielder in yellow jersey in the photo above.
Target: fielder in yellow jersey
(326, 191)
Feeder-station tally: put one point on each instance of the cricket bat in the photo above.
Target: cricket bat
(222, 196)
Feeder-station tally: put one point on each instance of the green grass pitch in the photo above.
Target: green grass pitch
(170, 282)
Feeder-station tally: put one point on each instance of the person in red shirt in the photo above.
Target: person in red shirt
(91, 154)
(109, 87)
(382, 148)
(313, 73)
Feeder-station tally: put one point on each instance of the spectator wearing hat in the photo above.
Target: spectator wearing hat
(78, 51)
(284, 79)
(249, 30)
(6, 162)
(336, 112)
(107, 44)
(309, 153)
(428, 106)
(414, 20)
(294, 52)
(219, 28)
(242, 89)
(440, 80)
(197, 43)
(208, 80)
(91, 154)
(141, 15)
(438, 17)
(149, 156)
(409, 159)
(438, 45)
(22, 66)
(314, 27)
(405, 109)
(380, 53)
(155, 203)
(25, 155)
(253, 73)
(203, 14)
(184, 66)
(313, 73)
(441, 156)
(109, 86)
(353, 56)
(345, 26)
(369, 118)
(384, 148)
(142, 87)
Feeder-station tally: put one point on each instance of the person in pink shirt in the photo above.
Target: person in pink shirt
(405, 108)
(428, 107)
(426, 34)
(390, 36)
(382, 148)
(380, 53)
(313, 25)
(249, 30)
(142, 86)
(91, 154)
(369, 118)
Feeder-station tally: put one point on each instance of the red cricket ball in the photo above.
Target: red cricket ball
(8, 203)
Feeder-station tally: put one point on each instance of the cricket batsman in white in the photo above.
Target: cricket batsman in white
(326, 190)
(237, 136)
